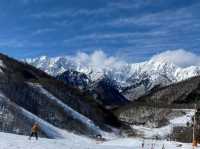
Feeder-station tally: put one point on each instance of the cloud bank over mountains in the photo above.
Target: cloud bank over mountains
(180, 57)
(99, 59)
(161, 69)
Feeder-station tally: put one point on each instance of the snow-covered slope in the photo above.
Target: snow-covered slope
(134, 79)
(66, 108)
(11, 141)
(163, 132)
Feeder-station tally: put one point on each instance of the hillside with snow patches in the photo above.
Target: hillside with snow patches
(133, 79)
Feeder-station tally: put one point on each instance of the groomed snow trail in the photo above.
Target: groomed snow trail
(85, 120)
(68, 109)
(11, 141)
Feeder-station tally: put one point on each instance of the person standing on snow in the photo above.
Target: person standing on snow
(34, 131)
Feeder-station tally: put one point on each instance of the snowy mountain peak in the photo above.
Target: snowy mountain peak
(160, 69)
(120, 72)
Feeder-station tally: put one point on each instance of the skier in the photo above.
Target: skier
(34, 131)
(142, 144)
(163, 147)
(152, 146)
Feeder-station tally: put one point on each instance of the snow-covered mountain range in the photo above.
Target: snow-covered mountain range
(133, 79)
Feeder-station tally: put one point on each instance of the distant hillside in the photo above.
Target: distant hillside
(184, 93)
(161, 105)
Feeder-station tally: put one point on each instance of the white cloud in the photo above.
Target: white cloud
(178, 57)
(42, 31)
(98, 60)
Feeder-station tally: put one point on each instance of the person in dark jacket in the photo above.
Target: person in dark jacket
(34, 131)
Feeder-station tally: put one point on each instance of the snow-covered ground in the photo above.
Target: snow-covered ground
(11, 141)
(162, 132)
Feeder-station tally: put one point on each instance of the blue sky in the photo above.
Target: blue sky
(133, 29)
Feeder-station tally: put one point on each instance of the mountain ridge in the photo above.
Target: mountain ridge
(133, 79)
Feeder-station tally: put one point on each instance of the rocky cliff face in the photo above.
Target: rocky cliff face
(75, 79)
(104, 90)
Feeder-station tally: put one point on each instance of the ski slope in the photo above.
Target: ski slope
(164, 131)
(69, 110)
(11, 141)
(85, 120)
(67, 140)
